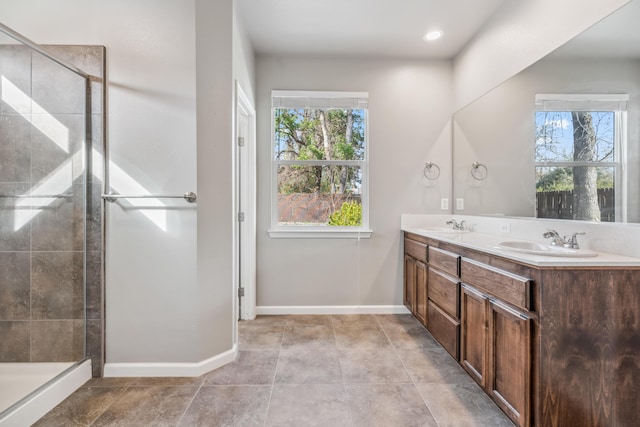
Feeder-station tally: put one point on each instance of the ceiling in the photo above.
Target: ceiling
(363, 28)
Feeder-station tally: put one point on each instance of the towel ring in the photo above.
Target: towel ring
(479, 171)
(431, 171)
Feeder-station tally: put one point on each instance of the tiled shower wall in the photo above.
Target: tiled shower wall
(45, 315)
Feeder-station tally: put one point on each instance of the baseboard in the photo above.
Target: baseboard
(332, 309)
(170, 369)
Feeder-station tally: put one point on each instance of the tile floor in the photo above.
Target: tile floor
(352, 370)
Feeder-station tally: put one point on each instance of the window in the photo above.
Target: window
(579, 157)
(320, 164)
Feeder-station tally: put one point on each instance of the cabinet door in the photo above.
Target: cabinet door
(410, 282)
(444, 328)
(473, 334)
(509, 376)
(421, 292)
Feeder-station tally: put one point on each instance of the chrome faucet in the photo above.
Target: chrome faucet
(567, 242)
(455, 224)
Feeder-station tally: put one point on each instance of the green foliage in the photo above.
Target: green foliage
(558, 179)
(349, 214)
(561, 179)
(319, 134)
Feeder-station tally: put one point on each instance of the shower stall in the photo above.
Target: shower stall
(51, 254)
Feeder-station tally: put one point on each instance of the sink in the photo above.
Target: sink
(441, 230)
(544, 249)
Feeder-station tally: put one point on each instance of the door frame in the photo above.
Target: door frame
(244, 177)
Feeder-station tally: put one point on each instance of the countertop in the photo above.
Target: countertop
(489, 243)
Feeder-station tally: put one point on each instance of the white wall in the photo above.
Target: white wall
(521, 33)
(171, 70)
(243, 58)
(409, 112)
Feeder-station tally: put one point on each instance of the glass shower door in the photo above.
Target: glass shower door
(43, 175)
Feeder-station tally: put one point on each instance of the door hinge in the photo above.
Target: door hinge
(240, 292)
(240, 216)
(241, 141)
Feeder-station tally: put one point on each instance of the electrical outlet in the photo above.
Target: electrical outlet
(460, 204)
(444, 204)
(505, 228)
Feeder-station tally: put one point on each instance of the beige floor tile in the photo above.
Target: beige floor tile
(81, 408)
(388, 405)
(358, 336)
(308, 337)
(167, 381)
(260, 337)
(361, 366)
(355, 319)
(148, 405)
(237, 406)
(355, 370)
(308, 320)
(462, 405)
(432, 365)
(396, 319)
(409, 336)
(308, 366)
(263, 320)
(309, 405)
(251, 367)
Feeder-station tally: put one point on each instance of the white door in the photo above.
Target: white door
(246, 202)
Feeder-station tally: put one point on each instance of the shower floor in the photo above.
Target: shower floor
(19, 379)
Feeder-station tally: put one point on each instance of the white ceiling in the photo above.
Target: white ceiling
(363, 28)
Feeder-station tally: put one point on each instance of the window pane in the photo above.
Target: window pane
(579, 192)
(319, 134)
(563, 136)
(315, 195)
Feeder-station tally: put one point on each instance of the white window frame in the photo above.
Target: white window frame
(614, 102)
(320, 99)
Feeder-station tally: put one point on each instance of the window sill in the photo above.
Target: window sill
(320, 234)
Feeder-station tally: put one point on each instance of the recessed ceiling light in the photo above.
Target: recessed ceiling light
(432, 35)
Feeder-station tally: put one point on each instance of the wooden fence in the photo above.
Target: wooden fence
(559, 204)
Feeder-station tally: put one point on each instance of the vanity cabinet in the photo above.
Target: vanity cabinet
(509, 355)
(496, 351)
(555, 346)
(496, 335)
(474, 340)
(415, 279)
(443, 309)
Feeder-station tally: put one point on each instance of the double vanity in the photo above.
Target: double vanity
(551, 334)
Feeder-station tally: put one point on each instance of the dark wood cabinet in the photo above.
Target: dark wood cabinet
(552, 346)
(473, 335)
(443, 309)
(415, 279)
(444, 328)
(410, 282)
(509, 356)
(421, 292)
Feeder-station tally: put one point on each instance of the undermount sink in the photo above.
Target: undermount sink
(442, 230)
(543, 249)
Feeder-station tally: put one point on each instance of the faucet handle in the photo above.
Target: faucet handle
(573, 242)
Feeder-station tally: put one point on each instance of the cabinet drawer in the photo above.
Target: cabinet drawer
(506, 286)
(416, 249)
(444, 291)
(444, 329)
(444, 261)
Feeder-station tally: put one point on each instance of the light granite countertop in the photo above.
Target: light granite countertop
(489, 243)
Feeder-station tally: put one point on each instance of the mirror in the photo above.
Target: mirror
(494, 149)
